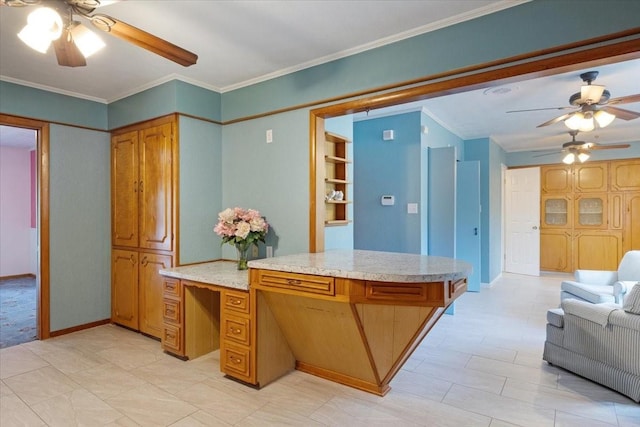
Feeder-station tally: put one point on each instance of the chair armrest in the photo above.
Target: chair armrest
(596, 277)
(596, 313)
(622, 287)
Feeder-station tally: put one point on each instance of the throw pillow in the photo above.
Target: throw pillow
(632, 300)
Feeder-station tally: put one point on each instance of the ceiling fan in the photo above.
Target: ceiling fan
(53, 23)
(581, 150)
(593, 104)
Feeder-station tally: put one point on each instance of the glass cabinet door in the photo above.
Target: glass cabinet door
(556, 212)
(591, 211)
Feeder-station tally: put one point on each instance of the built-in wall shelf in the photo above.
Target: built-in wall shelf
(336, 164)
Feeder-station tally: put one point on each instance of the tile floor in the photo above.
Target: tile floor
(480, 367)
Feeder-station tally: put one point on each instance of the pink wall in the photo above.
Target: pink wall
(15, 211)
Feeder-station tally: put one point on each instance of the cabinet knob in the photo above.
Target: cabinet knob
(235, 301)
(141, 186)
(235, 331)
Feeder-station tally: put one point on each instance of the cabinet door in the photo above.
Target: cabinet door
(124, 189)
(625, 175)
(591, 177)
(151, 308)
(556, 250)
(597, 250)
(124, 288)
(632, 221)
(556, 212)
(591, 211)
(556, 179)
(156, 195)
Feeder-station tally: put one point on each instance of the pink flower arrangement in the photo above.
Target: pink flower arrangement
(241, 227)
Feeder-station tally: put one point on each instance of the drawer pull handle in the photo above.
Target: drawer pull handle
(235, 331)
(170, 311)
(293, 282)
(235, 360)
(236, 301)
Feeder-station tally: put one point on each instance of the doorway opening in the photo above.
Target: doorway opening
(39, 161)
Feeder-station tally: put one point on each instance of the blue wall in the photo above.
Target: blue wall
(387, 168)
(80, 226)
(274, 178)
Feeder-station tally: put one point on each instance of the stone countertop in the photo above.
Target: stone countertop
(219, 273)
(369, 265)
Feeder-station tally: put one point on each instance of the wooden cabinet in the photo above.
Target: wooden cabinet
(150, 283)
(556, 179)
(172, 315)
(625, 175)
(557, 211)
(237, 349)
(142, 222)
(135, 288)
(591, 211)
(597, 250)
(602, 214)
(632, 221)
(141, 183)
(336, 179)
(591, 177)
(124, 288)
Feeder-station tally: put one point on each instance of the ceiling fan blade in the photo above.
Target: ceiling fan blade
(67, 52)
(541, 109)
(621, 113)
(607, 147)
(143, 39)
(556, 120)
(547, 154)
(625, 99)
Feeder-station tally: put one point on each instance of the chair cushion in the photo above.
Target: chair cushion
(632, 300)
(592, 293)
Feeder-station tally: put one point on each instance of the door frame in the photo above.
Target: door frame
(43, 317)
(593, 52)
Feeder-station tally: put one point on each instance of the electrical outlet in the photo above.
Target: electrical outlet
(269, 136)
(269, 251)
(254, 251)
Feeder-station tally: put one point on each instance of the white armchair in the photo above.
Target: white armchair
(597, 286)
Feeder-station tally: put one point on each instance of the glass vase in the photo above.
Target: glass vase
(243, 253)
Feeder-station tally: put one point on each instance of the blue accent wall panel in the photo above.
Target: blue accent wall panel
(40, 104)
(272, 178)
(198, 102)
(387, 168)
(151, 103)
(200, 190)
(80, 226)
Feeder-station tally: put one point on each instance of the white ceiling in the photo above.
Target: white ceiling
(244, 42)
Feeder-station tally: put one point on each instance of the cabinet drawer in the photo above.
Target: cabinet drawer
(171, 311)
(237, 301)
(301, 282)
(457, 288)
(237, 329)
(172, 339)
(236, 361)
(171, 288)
(396, 292)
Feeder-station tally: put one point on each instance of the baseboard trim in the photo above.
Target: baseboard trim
(18, 276)
(79, 328)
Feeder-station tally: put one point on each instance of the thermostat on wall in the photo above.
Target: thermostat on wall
(387, 200)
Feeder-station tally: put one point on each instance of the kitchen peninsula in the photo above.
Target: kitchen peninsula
(349, 316)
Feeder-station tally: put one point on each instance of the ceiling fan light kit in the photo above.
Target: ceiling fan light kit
(44, 25)
(74, 42)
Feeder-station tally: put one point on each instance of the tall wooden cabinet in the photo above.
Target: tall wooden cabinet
(143, 174)
(589, 214)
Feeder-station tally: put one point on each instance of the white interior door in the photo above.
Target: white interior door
(522, 197)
